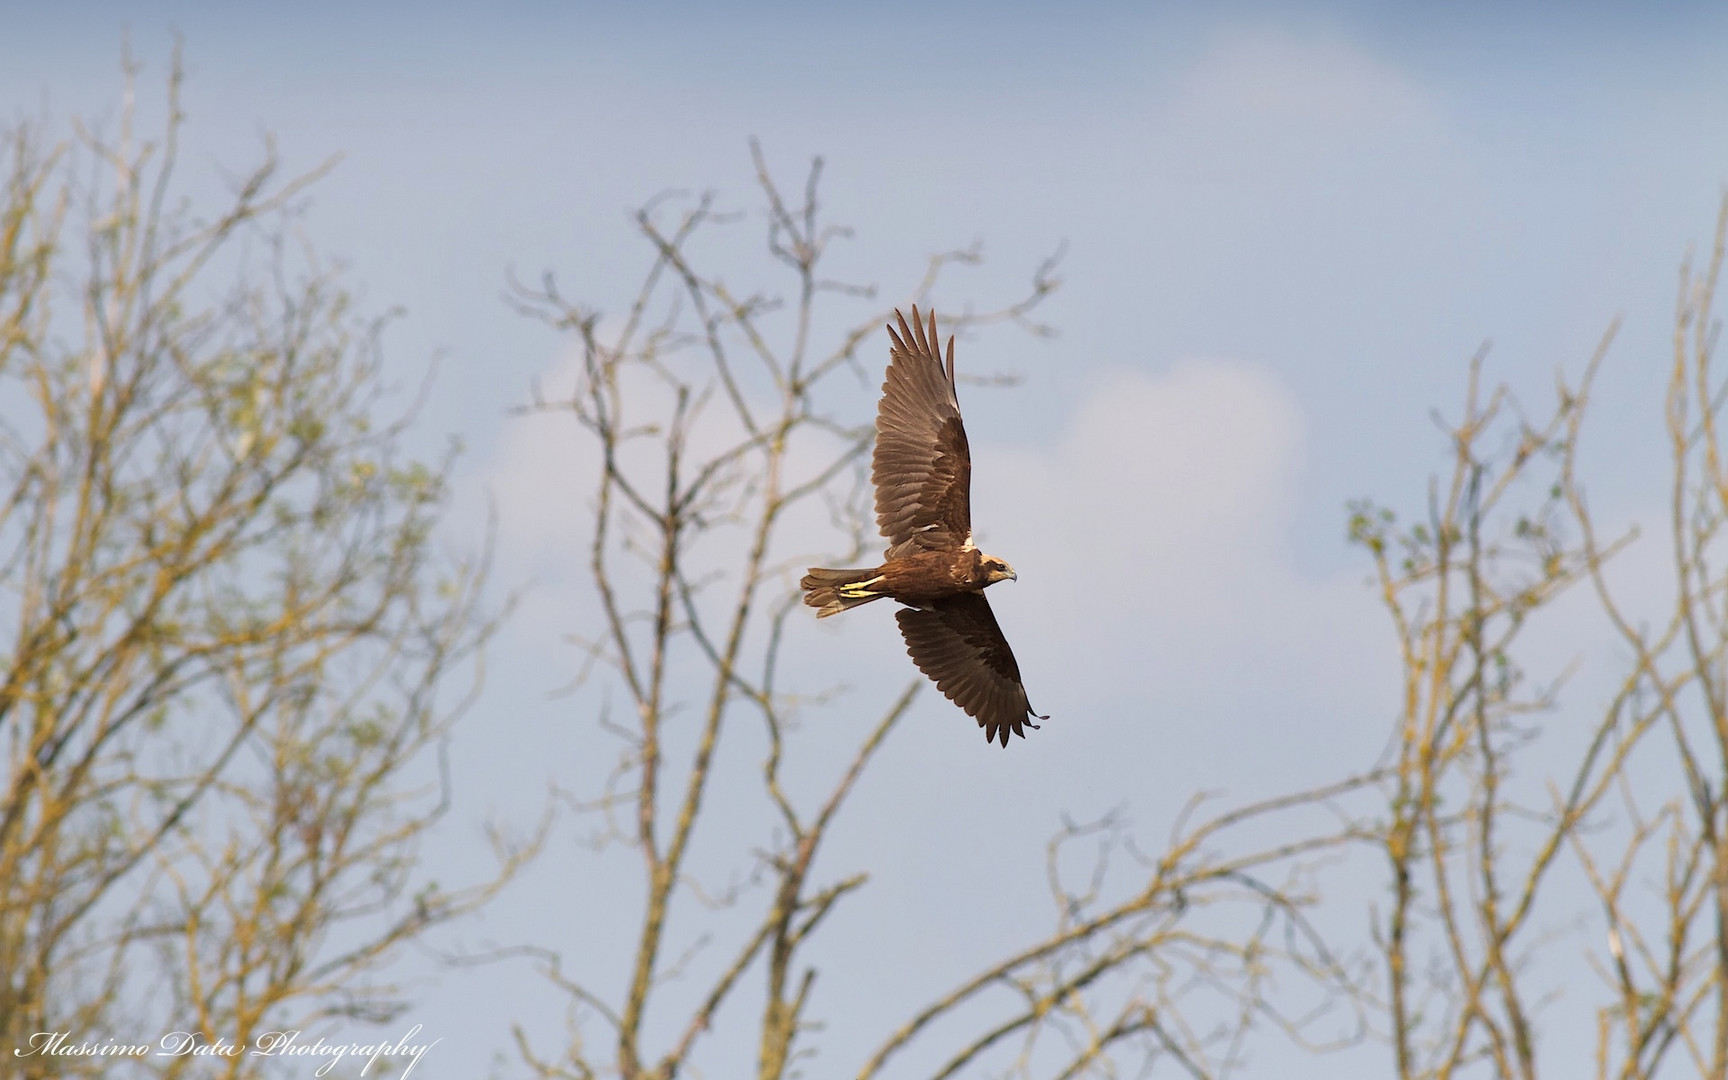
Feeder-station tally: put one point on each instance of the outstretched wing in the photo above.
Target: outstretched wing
(922, 467)
(958, 645)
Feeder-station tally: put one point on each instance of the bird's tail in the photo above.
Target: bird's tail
(832, 591)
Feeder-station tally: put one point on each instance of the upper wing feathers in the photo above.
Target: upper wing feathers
(922, 465)
(959, 645)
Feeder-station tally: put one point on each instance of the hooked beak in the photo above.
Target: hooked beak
(1012, 576)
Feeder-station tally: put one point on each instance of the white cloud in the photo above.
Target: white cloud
(1160, 611)
(1162, 520)
(1183, 479)
(1283, 77)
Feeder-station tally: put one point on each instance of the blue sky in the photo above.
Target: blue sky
(1288, 228)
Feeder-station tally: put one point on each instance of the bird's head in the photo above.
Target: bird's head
(996, 570)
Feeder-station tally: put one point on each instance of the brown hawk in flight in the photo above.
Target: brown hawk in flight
(922, 469)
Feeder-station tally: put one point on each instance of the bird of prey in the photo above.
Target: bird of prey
(922, 469)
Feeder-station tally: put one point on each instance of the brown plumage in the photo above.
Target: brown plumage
(922, 469)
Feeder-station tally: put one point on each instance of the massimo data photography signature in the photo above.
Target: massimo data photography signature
(323, 1055)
